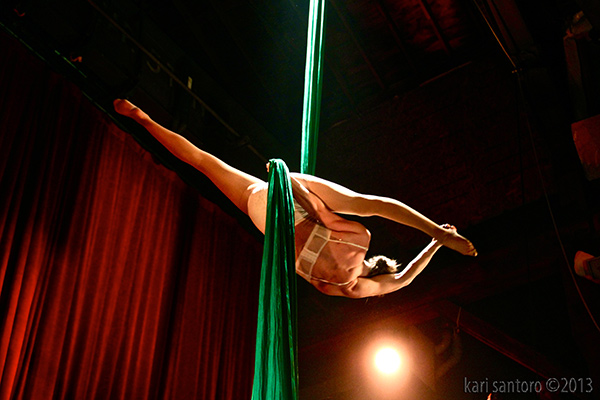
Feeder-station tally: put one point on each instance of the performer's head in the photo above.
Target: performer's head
(379, 265)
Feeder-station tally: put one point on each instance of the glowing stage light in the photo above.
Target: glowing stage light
(387, 360)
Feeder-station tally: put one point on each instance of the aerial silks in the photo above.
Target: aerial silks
(275, 366)
(312, 86)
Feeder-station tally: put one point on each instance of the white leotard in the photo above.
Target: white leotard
(316, 242)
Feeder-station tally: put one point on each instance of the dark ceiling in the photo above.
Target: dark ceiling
(253, 53)
(420, 102)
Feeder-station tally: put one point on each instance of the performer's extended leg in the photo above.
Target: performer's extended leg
(235, 184)
(345, 201)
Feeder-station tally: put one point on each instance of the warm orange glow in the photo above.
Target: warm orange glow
(387, 363)
(388, 360)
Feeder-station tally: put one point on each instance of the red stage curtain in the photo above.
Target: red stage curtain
(117, 280)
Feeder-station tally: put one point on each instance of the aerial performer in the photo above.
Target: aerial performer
(330, 250)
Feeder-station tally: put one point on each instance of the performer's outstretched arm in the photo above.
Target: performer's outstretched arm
(386, 283)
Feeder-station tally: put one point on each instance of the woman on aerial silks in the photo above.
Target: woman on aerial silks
(330, 250)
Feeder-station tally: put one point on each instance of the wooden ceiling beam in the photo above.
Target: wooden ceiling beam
(357, 44)
(391, 24)
(436, 27)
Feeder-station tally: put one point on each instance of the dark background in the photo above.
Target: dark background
(461, 109)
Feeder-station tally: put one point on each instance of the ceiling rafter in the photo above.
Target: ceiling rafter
(391, 24)
(341, 15)
(436, 26)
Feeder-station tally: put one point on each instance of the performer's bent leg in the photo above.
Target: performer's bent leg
(342, 200)
(337, 197)
(235, 184)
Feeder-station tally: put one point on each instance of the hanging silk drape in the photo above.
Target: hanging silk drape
(275, 371)
(117, 280)
(312, 86)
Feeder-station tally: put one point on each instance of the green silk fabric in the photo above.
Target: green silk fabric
(275, 366)
(313, 77)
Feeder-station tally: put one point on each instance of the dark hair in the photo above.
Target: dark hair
(382, 265)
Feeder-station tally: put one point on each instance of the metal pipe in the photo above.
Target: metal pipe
(175, 78)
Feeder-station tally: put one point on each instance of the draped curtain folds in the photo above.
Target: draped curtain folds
(276, 370)
(117, 281)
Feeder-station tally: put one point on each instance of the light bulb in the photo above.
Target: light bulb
(387, 360)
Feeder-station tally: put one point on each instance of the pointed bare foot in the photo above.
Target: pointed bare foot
(454, 241)
(126, 108)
